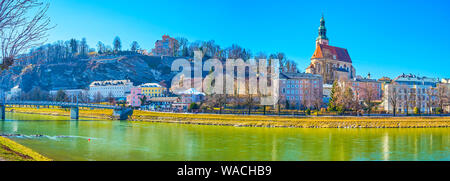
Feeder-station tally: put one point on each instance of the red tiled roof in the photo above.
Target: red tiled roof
(327, 51)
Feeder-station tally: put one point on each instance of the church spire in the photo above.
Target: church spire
(322, 39)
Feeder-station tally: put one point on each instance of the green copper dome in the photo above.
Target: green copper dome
(322, 29)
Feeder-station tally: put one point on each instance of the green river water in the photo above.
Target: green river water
(64, 139)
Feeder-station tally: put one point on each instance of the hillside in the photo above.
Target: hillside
(79, 73)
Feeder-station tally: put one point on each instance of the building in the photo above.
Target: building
(332, 63)
(165, 47)
(384, 81)
(365, 88)
(444, 87)
(301, 90)
(192, 95)
(407, 92)
(162, 103)
(327, 93)
(153, 90)
(14, 93)
(69, 92)
(135, 96)
(186, 98)
(116, 88)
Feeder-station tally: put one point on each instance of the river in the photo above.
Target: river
(64, 139)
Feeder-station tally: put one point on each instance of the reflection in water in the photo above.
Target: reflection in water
(386, 147)
(122, 140)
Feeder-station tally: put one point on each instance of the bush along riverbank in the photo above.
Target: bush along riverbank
(257, 120)
(12, 151)
(302, 122)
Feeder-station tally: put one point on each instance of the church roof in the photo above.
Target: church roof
(327, 51)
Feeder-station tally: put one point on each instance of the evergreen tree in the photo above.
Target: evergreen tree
(83, 47)
(117, 44)
(135, 46)
(333, 97)
(61, 96)
(74, 45)
(100, 48)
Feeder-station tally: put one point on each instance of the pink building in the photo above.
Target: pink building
(134, 98)
(366, 88)
(301, 90)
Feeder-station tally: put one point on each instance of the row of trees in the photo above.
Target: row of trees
(345, 98)
(37, 94)
(70, 50)
(401, 96)
(185, 48)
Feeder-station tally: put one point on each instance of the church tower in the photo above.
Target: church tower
(332, 63)
(322, 39)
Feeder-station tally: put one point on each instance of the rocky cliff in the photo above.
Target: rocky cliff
(80, 73)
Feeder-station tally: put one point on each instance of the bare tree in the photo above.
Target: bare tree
(368, 94)
(443, 96)
(431, 99)
(393, 98)
(410, 100)
(98, 97)
(18, 30)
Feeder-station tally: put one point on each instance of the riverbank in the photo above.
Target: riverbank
(258, 120)
(12, 151)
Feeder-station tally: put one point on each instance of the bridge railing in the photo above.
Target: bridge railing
(67, 104)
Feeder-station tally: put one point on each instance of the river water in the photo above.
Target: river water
(63, 139)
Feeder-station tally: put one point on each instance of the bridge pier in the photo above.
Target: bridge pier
(2, 112)
(74, 113)
(122, 114)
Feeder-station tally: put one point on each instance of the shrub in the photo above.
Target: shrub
(340, 110)
(308, 111)
(416, 110)
(193, 106)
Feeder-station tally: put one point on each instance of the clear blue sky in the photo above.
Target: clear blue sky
(385, 38)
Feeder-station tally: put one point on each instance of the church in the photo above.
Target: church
(332, 63)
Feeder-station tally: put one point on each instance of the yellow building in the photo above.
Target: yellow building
(153, 90)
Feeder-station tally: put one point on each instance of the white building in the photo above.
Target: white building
(69, 92)
(445, 83)
(13, 93)
(327, 92)
(117, 88)
(409, 92)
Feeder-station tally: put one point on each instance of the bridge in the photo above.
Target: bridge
(121, 112)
